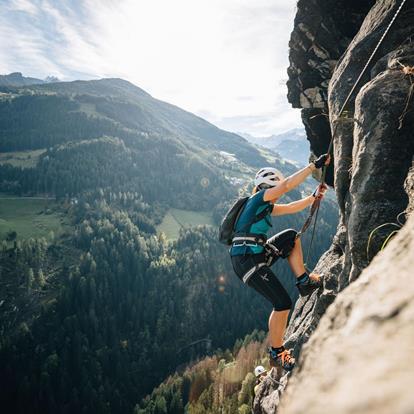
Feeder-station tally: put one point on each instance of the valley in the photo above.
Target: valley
(89, 280)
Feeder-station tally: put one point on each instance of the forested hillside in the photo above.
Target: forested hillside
(93, 318)
(221, 383)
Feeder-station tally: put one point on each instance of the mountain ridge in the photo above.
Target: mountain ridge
(16, 79)
(140, 110)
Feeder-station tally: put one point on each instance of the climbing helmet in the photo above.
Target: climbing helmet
(259, 370)
(267, 177)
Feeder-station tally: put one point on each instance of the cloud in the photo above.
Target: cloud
(226, 58)
(25, 6)
(264, 124)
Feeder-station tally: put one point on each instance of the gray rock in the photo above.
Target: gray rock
(409, 189)
(268, 394)
(323, 30)
(372, 155)
(360, 358)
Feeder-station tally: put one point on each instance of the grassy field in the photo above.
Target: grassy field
(176, 219)
(29, 217)
(24, 159)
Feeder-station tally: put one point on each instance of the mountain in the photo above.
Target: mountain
(161, 135)
(100, 309)
(17, 79)
(119, 104)
(290, 145)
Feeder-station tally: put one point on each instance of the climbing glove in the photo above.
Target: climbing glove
(321, 161)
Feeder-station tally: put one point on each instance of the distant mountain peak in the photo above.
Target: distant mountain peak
(291, 145)
(17, 79)
(51, 79)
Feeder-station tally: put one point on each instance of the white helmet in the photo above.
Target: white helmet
(259, 370)
(267, 177)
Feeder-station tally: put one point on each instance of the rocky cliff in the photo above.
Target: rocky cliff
(358, 350)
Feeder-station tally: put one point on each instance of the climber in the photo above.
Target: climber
(260, 373)
(252, 255)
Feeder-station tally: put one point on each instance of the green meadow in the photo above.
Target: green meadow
(24, 159)
(29, 217)
(175, 219)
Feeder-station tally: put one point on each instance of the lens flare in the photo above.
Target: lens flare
(205, 182)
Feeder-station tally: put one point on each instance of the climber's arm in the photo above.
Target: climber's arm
(293, 207)
(288, 183)
(295, 179)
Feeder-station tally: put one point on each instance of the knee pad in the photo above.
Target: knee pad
(292, 233)
(289, 242)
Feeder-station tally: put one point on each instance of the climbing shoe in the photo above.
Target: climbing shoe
(306, 284)
(283, 358)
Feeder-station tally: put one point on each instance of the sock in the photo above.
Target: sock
(278, 350)
(303, 279)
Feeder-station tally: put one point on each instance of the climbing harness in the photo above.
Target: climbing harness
(271, 252)
(248, 239)
(314, 211)
(254, 240)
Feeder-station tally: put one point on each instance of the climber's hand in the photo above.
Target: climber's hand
(320, 191)
(324, 159)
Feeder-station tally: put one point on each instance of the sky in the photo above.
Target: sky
(224, 60)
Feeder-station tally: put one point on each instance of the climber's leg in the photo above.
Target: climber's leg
(290, 247)
(305, 283)
(277, 326)
(295, 258)
(278, 355)
(264, 281)
(267, 284)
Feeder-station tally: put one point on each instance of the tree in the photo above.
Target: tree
(160, 406)
(11, 236)
(41, 280)
(29, 279)
(245, 393)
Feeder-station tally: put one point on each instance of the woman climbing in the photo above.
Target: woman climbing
(252, 255)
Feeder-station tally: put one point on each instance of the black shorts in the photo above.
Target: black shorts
(262, 279)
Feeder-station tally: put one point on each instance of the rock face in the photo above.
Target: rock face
(373, 151)
(323, 29)
(268, 395)
(360, 358)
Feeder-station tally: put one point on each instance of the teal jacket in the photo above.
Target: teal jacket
(254, 205)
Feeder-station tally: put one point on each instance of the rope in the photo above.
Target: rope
(335, 121)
